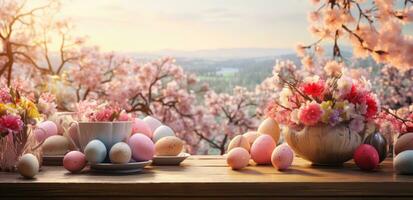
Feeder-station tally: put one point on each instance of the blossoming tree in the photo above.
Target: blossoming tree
(372, 27)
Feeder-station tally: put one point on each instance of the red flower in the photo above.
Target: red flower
(315, 90)
(10, 124)
(372, 107)
(355, 96)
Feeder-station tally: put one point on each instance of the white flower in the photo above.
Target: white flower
(344, 85)
(294, 116)
(356, 125)
(285, 95)
(333, 68)
(312, 79)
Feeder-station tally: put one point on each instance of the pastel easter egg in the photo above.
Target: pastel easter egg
(251, 136)
(152, 122)
(262, 149)
(239, 141)
(169, 146)
(282, 157)
(74, 161)
(95, 151)
(403, 143)
(403, 162)
(140, 126)
(44, 130)
(120, 153)
(162, 131)
(270, 127)
(28, 166)
(378, 141)
(366, 157)
(55, 145)
(142, 147)
(238, 158)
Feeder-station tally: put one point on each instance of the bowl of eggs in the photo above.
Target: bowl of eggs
(109, 133)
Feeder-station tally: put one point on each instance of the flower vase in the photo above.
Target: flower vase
(324, 144)
(13, 146)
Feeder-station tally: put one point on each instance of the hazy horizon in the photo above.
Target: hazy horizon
(189, 25)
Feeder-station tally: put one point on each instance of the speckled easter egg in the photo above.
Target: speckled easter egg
(239, 141)
(366, 157)
(74, 161)
(44, 130)
(282, 157)
(262, 149)
(403, 162)
(251, 136)
(120, 153)
(95, 151)
(140, 126)
(28, 166)
(142, 147)
(161, 132)
(152, 122)
(169, 146)
(55, 145)
(238, 158)
(403, 143)
(378, 141)
(270, 127)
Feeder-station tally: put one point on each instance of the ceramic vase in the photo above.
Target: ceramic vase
(324, 144)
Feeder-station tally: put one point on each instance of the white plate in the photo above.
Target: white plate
(170, 160)
(120, 168)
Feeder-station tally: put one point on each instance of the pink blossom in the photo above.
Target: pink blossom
(10, 124)
(310, 115)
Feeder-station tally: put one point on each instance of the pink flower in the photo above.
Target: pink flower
(10, 124)
(104, 115)
(372, 107)
(311, 114)
(315, 89)
(5, 96)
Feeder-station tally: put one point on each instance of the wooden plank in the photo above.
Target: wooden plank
(208, 176)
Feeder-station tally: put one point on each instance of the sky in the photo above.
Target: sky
(153, 25)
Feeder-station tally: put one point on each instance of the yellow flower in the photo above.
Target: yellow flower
(326, 106)
(30, 108)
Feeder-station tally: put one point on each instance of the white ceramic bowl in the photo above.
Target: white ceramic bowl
(109, 133)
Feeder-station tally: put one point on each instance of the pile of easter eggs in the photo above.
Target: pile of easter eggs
(403, 150)
(261, 147)
(149, 138)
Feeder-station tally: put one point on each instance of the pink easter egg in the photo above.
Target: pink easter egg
(152, 122)
(44, 130)
(142, 147)
(74, 161)
(282, 157)
(238, 158)
(140, 126)
(366, 157)
(262, 149)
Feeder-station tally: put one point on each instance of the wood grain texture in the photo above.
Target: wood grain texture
(209, 177)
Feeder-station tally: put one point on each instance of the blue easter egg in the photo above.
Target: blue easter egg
(403, 163)
(95, 151)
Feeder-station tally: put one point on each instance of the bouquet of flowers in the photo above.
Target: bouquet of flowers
(326, 115)
(18, 115)
(94, 111)
(331, 101)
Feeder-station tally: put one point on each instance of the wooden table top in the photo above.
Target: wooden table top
(208, 176)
